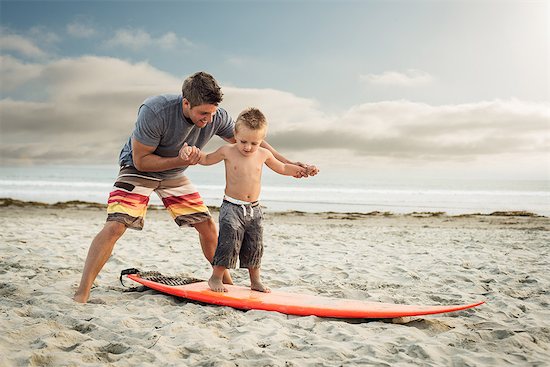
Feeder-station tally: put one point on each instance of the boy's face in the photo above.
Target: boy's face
(248, 141)
(200, 115)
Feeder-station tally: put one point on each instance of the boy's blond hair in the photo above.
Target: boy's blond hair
(251, 118)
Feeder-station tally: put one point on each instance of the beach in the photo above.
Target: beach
(421, 258)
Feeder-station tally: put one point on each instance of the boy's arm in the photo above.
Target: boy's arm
(287, 169)
(310, 170)
(207, 159)
(275, 153)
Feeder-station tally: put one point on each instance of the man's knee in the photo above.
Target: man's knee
(207, 228)
(113, 229)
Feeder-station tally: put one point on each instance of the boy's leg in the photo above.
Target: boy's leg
(98, 254)
(183, 201)
(215, 281)
(252, 250)
(208, 237)
(255, 281)
(227, 247)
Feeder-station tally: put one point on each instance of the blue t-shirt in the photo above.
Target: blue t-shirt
(160, 123)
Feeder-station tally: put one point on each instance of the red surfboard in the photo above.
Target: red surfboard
(295, 304)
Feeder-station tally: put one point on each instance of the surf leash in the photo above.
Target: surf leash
(128, 272)
(155, 276)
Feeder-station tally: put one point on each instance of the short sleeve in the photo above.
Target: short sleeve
(148, 129)
(226, 124)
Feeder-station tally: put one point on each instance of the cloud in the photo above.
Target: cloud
(14, 73)
(80, 30)
(87, 113)
(283, 110)
(89, 107)
(171, 41)
(409, 78)
(138, 39)
(168, 40)
(132, 39)
(419, 131)
(43, 36)
(20, 45)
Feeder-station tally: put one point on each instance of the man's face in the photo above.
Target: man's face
(200, 115)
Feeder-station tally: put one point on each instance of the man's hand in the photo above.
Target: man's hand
(310, 170)
(190, 155)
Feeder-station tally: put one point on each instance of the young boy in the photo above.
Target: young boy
(240, 213)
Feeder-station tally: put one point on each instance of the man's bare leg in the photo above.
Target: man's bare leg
(208, 236)
(98, 254)
(215, 281)
(255, 281)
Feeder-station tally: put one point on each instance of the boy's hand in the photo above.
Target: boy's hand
(312, 170)
(190, 154)
(309, 170)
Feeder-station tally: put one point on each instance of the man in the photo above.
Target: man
(154, 159)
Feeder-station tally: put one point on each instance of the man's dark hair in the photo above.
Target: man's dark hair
(201, 88)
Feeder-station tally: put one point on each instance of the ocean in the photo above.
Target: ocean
(330, 191)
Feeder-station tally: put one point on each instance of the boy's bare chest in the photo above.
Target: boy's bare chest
(244, 167)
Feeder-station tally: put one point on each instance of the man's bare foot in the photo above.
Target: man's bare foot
(81, 297)
(216, 285)
(258, 286)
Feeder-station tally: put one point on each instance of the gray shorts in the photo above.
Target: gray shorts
(241, 235)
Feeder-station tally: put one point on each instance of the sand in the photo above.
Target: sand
(412, 259)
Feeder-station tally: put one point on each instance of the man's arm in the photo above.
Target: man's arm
(146, 161)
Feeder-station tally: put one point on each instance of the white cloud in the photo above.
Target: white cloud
(91, 104)
(14, 73)
(283, 110)
(20, 45)
(407, 130)
(43, 35)
(168, 40)
(411, 77)
(87, 114)
(132, 39)
(80, 30)
(138, 39)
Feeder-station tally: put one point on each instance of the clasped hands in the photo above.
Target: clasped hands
(309, 170)
(190, 154)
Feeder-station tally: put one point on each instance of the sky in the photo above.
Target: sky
(412, 87)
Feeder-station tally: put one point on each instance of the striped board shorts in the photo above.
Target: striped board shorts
(128, 201)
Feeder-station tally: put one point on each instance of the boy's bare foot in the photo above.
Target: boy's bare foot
(227, 277)
(216, 285)
(259, 286)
